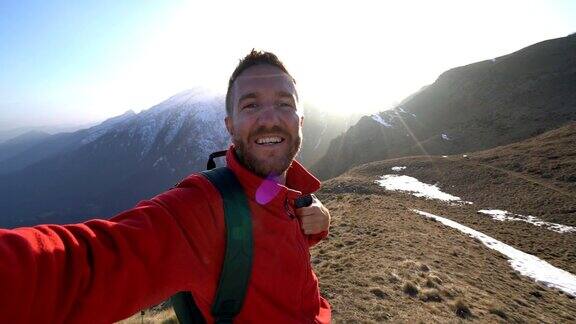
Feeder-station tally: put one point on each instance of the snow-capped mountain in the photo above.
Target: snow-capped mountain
(99, 171)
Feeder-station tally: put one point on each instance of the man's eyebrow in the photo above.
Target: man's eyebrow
(286, 94)
(250, 95)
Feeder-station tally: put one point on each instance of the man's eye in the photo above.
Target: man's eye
(286, 104)
(250, 105)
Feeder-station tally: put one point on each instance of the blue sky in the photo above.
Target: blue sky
(48, 46)
(73, 62)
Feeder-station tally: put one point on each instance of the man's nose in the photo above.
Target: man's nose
(269, 115)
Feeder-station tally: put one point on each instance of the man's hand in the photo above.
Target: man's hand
(314, 218)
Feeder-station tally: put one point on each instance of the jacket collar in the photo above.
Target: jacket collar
(264, 191)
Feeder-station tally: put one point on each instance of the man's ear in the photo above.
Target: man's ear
(302, 121)
(229, 125)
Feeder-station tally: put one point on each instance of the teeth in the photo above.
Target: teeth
(268, 140)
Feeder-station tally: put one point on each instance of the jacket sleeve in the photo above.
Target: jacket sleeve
(99, 271)
(314, 239)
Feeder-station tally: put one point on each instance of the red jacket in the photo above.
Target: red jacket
(102, 271)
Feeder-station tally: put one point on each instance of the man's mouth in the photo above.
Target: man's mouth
(269, 140)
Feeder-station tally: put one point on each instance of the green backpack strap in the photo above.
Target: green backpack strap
(185, 308)
(237, 264)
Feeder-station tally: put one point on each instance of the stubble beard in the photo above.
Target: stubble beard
(268, 166)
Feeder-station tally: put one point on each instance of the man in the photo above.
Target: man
(105, 270)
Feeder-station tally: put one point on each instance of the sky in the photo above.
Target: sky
(64, 62)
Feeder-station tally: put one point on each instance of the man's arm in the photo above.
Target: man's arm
(95, 272)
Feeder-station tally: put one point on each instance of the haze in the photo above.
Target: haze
(74, 63)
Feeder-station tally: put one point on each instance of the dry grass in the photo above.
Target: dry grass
(153, 316)
(384, 262)
(502, 178)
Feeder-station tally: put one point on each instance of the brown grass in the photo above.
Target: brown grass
(395, 250)
(153, 316)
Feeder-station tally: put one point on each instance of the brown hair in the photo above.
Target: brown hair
(253, 58)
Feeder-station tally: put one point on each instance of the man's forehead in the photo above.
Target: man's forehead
(264, 78)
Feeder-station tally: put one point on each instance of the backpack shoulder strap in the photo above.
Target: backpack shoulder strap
(237, 264)
(185, 308)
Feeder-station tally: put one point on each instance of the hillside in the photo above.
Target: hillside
(491, 181)
(378, 244)
(20, 143)
(475, 107)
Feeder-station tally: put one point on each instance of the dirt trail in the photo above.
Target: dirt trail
(541, 182)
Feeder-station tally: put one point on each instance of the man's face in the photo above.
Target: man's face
(265, 124)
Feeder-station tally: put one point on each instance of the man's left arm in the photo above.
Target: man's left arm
(315, 221)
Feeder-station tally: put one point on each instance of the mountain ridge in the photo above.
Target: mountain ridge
(468, 108)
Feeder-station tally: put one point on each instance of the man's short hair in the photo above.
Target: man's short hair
(253, 58)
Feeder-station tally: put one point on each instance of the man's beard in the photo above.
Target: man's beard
(267, 166)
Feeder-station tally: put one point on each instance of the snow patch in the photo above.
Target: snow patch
(381, 120)
(398, 168)
(405, 112)
(502, 215)
(415, 187)
(325, 126)
(158, 161)
(527, 264)
(95, 132)
(175, 124)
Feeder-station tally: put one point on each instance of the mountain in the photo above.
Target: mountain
(20, 143)
(469, 108)
(52, 145)
(102, 170)
(8, 134)
(107, 168)
(320, 128)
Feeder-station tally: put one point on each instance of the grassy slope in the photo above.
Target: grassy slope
(379, 250)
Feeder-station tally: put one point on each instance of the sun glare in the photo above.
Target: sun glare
(362, 58)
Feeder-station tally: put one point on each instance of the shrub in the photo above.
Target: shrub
(430, 295)
(393, 278)
(433, 281)
(410, 289)
(378, 293)
(462, 309)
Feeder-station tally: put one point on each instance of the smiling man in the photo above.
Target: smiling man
(264, 118)
(102, 271)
